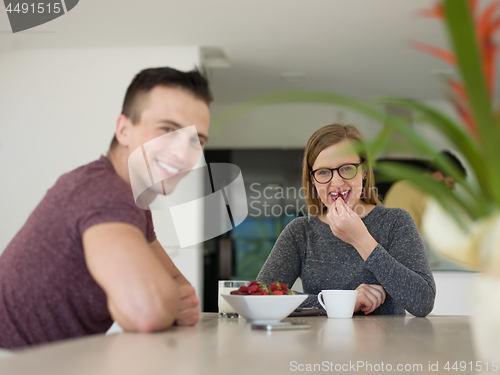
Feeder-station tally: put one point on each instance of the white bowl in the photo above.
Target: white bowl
(264, 309)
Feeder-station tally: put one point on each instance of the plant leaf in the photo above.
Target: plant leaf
(486, 20)
(460, 101)
(367, 109)
(440, 53)
(463, 38)
(488, 48)
(473, 7)
(464, 113)
(435, 12)
(444, 195)
(452, 130)
(298, 97)
(493, 27)
(381, 141)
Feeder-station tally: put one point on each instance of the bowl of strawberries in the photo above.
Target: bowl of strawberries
(263, 303)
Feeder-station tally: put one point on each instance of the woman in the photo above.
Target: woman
(349, 240)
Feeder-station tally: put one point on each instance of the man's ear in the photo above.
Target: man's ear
(122, 125)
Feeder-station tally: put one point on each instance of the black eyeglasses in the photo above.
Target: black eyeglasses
(346, 171)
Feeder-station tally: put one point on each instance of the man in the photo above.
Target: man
(405, 195)
(88, 255)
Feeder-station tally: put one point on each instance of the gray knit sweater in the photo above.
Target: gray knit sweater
(308, 249)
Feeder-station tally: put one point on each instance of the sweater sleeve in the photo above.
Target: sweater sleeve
(284, 261)
(403, 268)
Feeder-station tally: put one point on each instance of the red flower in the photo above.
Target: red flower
(486, 24)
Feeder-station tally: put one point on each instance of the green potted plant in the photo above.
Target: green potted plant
(474, 237)
(476, 136)
(463, 224)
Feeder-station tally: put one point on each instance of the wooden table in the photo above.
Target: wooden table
(364, 344)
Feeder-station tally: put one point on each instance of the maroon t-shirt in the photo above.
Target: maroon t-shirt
(46, 290)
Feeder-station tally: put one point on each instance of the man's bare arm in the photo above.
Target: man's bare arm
(189, 307)
(167, 262)
(142, 294)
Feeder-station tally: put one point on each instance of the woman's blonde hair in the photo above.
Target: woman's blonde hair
(327, 136)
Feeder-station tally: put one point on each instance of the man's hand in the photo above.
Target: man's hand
(370, 296)
(189, 306)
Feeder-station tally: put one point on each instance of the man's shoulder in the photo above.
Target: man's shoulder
(404, 185)
(95, 194)
(96, 181)
(403, 191)
(93, 176)
(100, 168)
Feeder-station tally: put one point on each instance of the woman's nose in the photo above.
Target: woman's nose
(336, 179)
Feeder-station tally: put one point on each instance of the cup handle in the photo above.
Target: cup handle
(320, 295)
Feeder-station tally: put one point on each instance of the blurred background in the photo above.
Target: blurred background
(62, 84)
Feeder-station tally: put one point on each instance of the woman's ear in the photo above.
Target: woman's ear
(364, 169)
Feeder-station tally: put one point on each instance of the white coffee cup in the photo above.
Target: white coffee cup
(338, 303)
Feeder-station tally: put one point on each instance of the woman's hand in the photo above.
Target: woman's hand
(348, 226)
(370, 296)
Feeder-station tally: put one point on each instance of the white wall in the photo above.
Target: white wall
(289, 125)
(58, 112)
(453, 294)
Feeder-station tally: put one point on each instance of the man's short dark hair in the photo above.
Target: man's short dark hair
(451, 158)
(193, 82)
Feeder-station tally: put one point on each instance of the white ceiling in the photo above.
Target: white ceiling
(354, 47)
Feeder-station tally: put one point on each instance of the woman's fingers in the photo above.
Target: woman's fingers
(341, 207)
(380, 289)
(370, 296)
(364, 300)
(375, 302)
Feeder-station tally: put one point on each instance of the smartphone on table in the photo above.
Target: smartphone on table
(280, 326)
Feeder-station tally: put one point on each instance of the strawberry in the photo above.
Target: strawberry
(253, 289)
(244, 289)
(256, 288)
(274, 286)
(259, 292)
